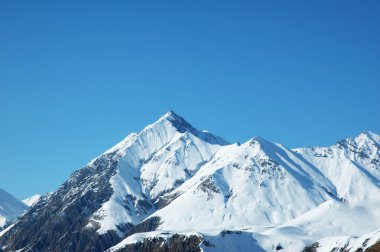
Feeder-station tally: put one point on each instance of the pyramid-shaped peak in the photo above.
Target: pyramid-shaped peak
(183, 126)
(178, 122)
(258, 140)
(259, 143)
(364, 138)
(171, 116)
(368, 136)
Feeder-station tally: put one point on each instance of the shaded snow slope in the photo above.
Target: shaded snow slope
(348, 243)
(152, 163)
(288, 197)
(256, 184)
(352, 165)
(31, 200)
(10, 208)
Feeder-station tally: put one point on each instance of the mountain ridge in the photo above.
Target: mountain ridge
(172, 177)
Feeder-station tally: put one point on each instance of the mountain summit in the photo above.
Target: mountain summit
(174, 187)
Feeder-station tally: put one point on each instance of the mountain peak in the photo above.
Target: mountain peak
(32, 200)
(170, 114)
(368, 135)
(177, 121)
(183, 126)
(259, 141)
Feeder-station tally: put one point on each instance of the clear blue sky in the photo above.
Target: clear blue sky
(78, 76)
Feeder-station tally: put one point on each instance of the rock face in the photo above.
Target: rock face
(172, 177)
(173, 244)
(374, 248)
(312, 248)
(58, 221)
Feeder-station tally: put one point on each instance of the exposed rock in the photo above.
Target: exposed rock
(311, 248)
(146, 226)
(58, 221)
(374, 248)
(176, 243)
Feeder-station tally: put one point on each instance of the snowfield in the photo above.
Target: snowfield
(173, 179)
(274, 194)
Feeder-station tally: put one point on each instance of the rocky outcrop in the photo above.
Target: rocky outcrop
(59, 222)
(159, 244)
(311, 248)
(374, 248)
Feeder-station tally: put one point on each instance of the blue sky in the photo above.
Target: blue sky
(78, 76)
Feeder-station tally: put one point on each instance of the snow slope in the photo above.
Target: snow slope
(352, 165)
(152, 163)
(10, 208)
(281, 196)
(173, 178)
(258, 175)
(349, 243)
(31, 200)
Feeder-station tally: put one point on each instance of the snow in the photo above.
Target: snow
(31, 200)
(2, 232)
(139, 237)
(256, 175)
(10, 208)
(350, 243)
(231, 241)
(272, 195)
(152, 163)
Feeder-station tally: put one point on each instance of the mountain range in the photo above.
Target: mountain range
(172, 187)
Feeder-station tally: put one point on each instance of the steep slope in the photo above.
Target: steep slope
(31, 200)
(151, 164)
(10, 208)
(101, 202)
(256, 184)
(282, 199)
(352, 165)
(173, 187)
(224, 241)
(369, 243)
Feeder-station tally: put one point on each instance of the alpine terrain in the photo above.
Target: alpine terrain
(10, 208)
(172, 187)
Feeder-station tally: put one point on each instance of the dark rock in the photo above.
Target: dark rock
(58, 221)
(374, 248)
(230, 232)
(279, 247)
(158, 244)
(311, 248)
(208, 186)
(146, 226)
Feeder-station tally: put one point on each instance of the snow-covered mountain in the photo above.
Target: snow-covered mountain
(182, 189)
(10, 208)
(368, 242)
(30, 201)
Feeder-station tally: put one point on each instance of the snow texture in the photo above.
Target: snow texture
(275, 196)
(31, 200)
(10, 208)
(268, 196)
